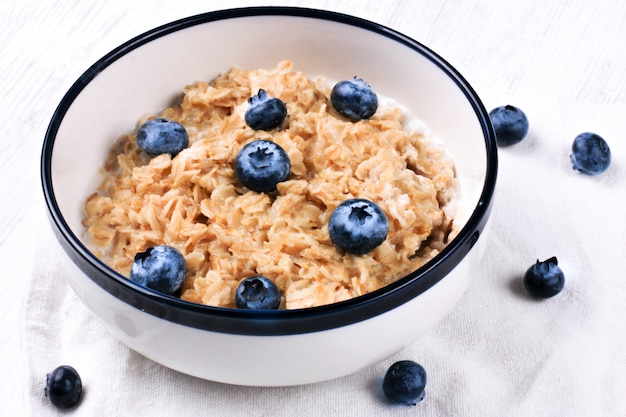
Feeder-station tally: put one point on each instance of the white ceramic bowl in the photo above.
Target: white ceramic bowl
(266, 348)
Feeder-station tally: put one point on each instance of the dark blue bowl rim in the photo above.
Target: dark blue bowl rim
(275, 322)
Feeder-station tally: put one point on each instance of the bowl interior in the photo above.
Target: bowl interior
(149, 72)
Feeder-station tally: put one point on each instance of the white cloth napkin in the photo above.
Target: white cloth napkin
(498, 353)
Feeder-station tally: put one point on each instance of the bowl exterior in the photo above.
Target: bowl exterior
(280, 360)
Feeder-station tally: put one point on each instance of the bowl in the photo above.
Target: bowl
(277, 347)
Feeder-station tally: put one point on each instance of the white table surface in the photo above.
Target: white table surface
(563, 62)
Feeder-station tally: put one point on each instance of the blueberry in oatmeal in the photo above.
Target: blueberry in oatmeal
(358, 226)
(262, 164)
(510, 124)
(257, 293)
(590, 154)
(162, 268)
(544, 279)
(405, 382)
(159, 136)
(265, 112)
(354, 99)
(63, 387)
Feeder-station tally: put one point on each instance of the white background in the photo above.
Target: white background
(498, 353)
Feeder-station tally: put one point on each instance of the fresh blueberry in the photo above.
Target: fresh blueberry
(265, 112)
(257, 293)
(358, 226)
(262, 164)
(405, 382)
(354, 99)
(544, 279)
(63, 387)
(590, 154)
(162, 268)
(159, 136)
(510, 124)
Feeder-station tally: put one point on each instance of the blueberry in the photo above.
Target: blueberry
(590, 154)
(544, 279)
(405, 382)
(265, 112)
(262, 164)
(354, 99)
(162, 268)
(159, 136)
(358, 226)
(257, 293)
(63, 387)
(510, 124)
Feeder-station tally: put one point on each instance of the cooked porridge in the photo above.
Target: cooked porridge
(226, 232)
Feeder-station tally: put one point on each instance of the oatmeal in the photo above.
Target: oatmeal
(226, 232)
